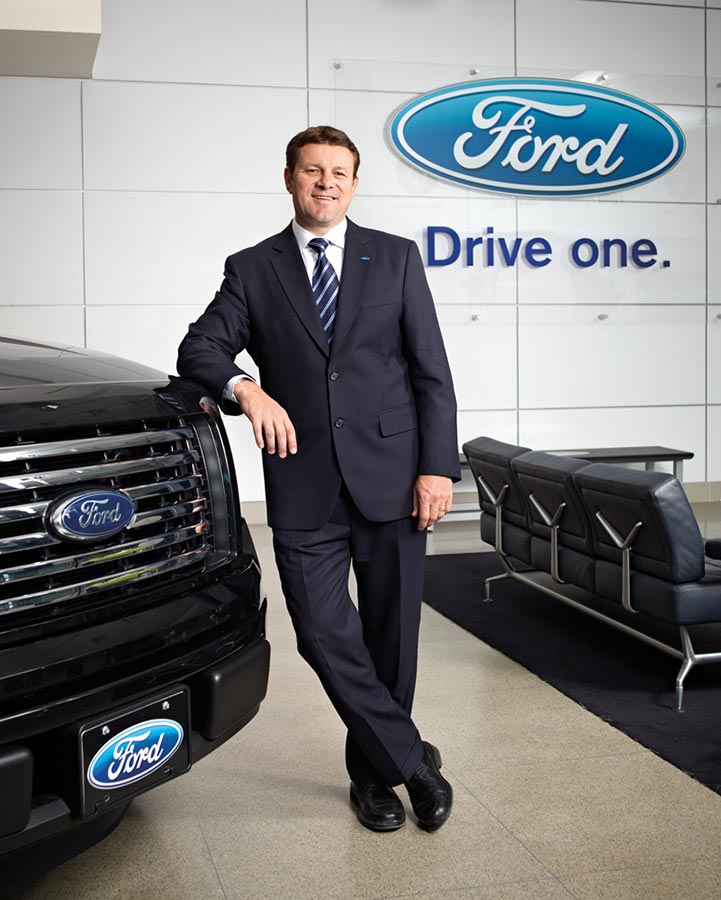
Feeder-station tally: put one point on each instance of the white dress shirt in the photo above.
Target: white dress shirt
(334, 254)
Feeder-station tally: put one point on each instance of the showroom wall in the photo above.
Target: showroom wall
(121, 196)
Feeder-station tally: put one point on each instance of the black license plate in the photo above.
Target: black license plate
(133, 749)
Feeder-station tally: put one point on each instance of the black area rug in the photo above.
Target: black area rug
(622, 680)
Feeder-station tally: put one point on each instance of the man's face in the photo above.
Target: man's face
(322, 186)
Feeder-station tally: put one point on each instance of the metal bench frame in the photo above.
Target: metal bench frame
(689, 658)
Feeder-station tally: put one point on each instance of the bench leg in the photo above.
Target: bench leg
(488, 598)
(689, 658)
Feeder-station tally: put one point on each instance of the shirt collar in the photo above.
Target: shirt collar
(335, 236)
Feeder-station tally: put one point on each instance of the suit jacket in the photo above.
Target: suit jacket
(373, 409)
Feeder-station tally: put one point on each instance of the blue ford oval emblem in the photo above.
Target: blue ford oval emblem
(91, 515)
(134, 753)
(536, 136)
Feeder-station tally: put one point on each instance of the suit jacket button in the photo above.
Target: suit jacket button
(339, 423)
(333, 376)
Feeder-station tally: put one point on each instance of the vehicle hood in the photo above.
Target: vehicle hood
(26, 363)
(50, 387)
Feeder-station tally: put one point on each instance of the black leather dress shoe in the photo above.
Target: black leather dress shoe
(377, 806)
(431, 795)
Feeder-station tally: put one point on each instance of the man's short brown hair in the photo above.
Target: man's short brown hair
(320, 134)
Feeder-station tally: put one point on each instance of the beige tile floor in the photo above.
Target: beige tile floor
(551, 802)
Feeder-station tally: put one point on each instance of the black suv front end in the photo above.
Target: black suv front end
(132, 621)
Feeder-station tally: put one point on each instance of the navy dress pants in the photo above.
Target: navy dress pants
(365, 657)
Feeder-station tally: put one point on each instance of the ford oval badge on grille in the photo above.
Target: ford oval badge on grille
(91, 515)
(134, 753)
(536, 136)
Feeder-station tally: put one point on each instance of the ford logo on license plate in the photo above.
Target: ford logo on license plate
(91, 515)
(134, 753)
(534, 136)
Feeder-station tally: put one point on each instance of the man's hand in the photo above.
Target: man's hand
(432, 499)
(271, 425)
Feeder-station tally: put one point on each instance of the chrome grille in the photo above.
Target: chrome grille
(160, 465)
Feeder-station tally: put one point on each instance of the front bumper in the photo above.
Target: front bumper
(208, 644)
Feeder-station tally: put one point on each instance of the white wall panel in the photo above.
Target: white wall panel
(677, 230)
(653, 51)
(714, 254)
(40, 135)
(247, 458)
(188, 137)
(456, 283)
(481, 345)
(151, 335)
(41, 247)
(55, 324)
(386, 45)
(569, 356)
(215, 41)
(178, 175)
(714, 354)
(680, 427)
(499, 424)
(698, 3)
(714, 443)
(714, 155)
(713, 49)
(146, 247)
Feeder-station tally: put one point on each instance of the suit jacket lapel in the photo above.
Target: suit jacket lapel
(357, 265)
(292, 275)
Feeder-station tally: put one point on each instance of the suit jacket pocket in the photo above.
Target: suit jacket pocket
(374, 302)
(394, 421)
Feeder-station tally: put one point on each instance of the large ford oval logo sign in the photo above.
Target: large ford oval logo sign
(536, 136)
(91, 515)
(134, 753)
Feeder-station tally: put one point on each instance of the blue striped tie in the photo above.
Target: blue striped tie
(325, 285)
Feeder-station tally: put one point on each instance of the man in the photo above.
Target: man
(356, 418)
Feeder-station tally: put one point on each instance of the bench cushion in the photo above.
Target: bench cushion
(689, 603)
(549, 479)
(573, 567)
(516, 541)
(491, 460)
(669, 544)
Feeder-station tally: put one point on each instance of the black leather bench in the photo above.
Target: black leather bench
(619, 544)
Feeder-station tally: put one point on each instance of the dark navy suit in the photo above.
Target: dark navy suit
(372, 411)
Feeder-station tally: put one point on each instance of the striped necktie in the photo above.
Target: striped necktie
(325, 286)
